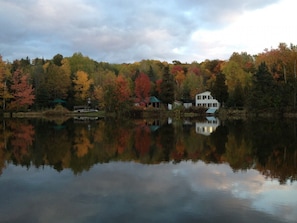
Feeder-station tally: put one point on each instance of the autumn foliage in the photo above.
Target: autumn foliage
(79, 80)
(142, 88)
(122, 89)
(82, 85)
(22, 91)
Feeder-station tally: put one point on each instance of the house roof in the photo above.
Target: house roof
(211, 111)
(205, 93)
(59, 101)
(188, 100)
(153, 99)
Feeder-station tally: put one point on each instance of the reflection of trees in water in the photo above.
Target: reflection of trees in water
(280, 165)
(142, 139)
(274, 146)
(269, 147)
(52, 145)
(82, 143)
(20, 140)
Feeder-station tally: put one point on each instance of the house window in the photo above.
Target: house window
(204, 96)
(215, 104)
(204, 104)
(199, 97)
(209, 105)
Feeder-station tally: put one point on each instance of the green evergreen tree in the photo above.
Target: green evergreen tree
(167, 87)
(236, 98)
(263, 93)
(151, 74)
(220, 89)
(57, 59)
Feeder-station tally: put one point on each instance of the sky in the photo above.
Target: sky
(127, 31)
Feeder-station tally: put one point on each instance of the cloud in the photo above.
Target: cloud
(119, 31)
(252, 32)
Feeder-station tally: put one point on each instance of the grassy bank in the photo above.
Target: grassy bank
(177, 113)
(57, 112)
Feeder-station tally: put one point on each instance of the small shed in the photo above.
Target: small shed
(154, 102)
(188, 103)
(59, 101)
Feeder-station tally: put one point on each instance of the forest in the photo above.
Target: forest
(253, 82)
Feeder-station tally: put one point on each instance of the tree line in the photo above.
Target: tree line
(256, 82)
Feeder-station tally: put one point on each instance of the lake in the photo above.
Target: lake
(82, 170)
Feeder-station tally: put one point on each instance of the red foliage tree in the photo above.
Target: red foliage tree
(22, 91)
(176, 69)
(142, 88)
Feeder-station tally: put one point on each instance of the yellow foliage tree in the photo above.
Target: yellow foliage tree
(82, 85)
(179, 79)
(4, 75)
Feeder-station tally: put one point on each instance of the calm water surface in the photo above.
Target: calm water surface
(148, 171)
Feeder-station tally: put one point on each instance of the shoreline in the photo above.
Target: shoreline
(223, 114)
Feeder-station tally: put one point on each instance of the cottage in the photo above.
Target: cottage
(188, 103)
(207, 101)
(154, 102)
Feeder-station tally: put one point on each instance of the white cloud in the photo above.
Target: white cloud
(251, 32)
(127, 31)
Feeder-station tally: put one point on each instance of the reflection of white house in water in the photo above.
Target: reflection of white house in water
(207, 127)
(207, 101)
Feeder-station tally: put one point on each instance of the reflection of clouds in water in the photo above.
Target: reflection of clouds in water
(267, 195)
(263, 195)
(166, 192)
(281, 199)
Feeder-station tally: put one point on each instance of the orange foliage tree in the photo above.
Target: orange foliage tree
(142, 88)
(123, 90)
(22, 91)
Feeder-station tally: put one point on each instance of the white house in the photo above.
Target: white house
(207, 101)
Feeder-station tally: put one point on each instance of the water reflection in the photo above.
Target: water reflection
(208, 126)
(78, 144)
(132, 192)
(84, 170)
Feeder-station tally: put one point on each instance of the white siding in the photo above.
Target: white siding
(206, 100)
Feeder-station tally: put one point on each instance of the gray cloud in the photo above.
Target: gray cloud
(113, 30)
